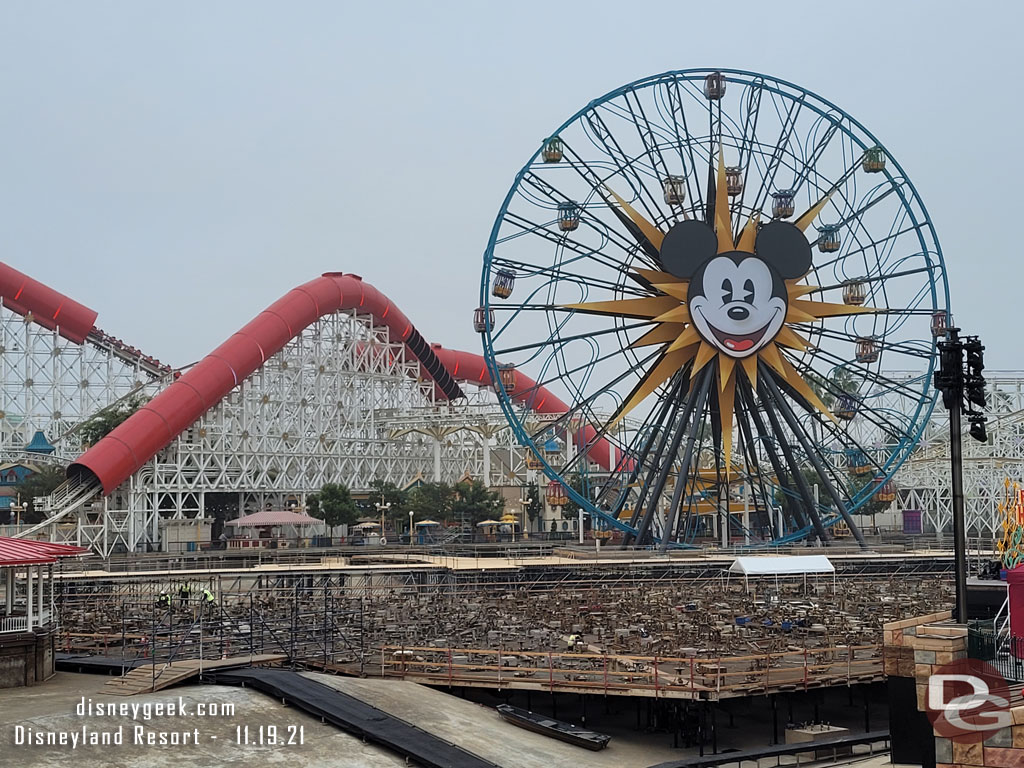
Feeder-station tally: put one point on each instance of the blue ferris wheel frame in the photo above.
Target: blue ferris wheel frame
(932, 253)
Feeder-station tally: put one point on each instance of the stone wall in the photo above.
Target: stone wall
(26, 658)
(915, 648)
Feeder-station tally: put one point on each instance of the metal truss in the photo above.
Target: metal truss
(340, 403)
(924, 480)
(50, 384)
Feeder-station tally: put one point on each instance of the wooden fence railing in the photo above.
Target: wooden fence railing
(619, 673)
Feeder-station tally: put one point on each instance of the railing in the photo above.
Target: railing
(840, 748)
(1009, 659)
(1001, 625)
(610, 673)
(14, 624)
(67, 497)
(20, 623)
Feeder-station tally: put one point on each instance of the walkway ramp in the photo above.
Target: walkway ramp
(355, 716)
(65, 499)
(146, 679)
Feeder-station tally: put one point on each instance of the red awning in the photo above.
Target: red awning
(21, 552)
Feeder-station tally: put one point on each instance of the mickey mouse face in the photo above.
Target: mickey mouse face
(737, 300)
(736, 303)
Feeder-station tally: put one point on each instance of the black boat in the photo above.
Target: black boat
(556, 729)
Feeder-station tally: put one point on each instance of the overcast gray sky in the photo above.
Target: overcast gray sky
(179, 166)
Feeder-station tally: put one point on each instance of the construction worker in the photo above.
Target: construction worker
(164, 600)
(185, 592)
(206, 598)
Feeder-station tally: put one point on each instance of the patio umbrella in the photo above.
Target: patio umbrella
(488, 522)
(427, 522)
(363, 526)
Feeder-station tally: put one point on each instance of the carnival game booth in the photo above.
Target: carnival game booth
(28, 621)
(271, 529)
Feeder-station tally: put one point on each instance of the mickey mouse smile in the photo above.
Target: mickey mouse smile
(736, 342)
(737, 303)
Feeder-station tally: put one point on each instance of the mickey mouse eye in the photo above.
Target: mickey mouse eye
(726, 291)
(748, 286)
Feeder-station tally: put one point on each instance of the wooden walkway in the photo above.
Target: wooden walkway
(144, 680)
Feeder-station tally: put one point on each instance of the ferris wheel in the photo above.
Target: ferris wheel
(699, 283)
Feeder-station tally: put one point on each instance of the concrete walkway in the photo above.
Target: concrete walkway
(478, 728)
(51, 707)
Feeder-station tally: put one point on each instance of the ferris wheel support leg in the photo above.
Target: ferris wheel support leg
(672, 404)
(794, 467)
(792, 509)
(684, 466)
(794, 425)
(660, 467)
(668, 459)
(751, 462)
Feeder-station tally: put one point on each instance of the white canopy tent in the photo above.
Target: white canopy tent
(782, 565)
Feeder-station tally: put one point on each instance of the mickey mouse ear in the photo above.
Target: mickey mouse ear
(686, 246)
(784, 246)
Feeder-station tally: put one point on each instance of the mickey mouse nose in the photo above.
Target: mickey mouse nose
(738, 313)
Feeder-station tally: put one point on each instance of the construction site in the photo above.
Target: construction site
(690, 496)
(664, 629)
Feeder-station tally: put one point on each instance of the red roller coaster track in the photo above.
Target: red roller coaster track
(127, 448)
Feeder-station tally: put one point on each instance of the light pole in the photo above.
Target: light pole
(961, 387)
(410, 527)
(382, 508)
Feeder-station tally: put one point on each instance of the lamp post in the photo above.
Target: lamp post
(410, 528)
(382, 508)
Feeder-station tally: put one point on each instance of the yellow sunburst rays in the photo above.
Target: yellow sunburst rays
(682, 343)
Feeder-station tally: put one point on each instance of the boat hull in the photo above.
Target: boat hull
(556, 729)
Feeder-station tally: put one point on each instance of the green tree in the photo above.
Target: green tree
(385, 492)
(335, 505)
(104, 422)
(872, 506)
(41, 483)
(534, 506)
(432, 501)
(819, 386)
(576, 482)
(810, 475)
(475, 502)
(313, 506)
(827, 390)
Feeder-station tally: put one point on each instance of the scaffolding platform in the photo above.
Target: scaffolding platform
(97, 665)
